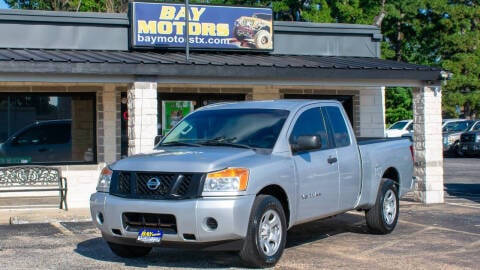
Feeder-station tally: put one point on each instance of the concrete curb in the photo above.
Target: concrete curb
(43, 215)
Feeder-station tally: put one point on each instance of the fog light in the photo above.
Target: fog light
(211, 223)
(100, 218)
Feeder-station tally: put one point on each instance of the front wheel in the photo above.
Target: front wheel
(126, 251)
(382, 217)
(267, 233)
(263, 40)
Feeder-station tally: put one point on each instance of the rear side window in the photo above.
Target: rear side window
(310, 122)
(339, 128)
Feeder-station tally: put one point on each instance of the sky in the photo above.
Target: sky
(3, 4)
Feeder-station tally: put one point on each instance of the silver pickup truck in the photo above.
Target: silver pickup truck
(237, 176)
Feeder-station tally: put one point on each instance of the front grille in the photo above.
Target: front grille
(133, 222)
(155, 186)
(467, 137)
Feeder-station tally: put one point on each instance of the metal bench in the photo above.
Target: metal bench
(34, 179)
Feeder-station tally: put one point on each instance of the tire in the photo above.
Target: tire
(459, 152)
(382, 217)
(126, 251)
(456, 149)
(263, 40)
(266, 234)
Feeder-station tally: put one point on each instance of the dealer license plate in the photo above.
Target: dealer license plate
(149, 236)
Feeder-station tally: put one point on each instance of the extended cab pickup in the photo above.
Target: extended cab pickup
(239, 175)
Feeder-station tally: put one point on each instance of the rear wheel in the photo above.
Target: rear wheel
(127, 251)
(382, 217)
(266, 235)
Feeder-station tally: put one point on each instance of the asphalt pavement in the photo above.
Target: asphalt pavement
(438, 236)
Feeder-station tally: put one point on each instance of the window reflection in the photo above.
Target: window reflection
(46, 128)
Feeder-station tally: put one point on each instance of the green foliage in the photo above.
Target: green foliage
(398, 101)
(70, 5)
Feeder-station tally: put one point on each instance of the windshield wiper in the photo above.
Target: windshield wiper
(217, 142)
(180, 143)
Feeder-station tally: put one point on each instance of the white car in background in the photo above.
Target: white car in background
(399, 128)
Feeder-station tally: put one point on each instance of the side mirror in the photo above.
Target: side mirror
(307, 143)
(158, 138)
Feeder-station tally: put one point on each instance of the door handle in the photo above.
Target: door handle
(41, 150)
(332, 160)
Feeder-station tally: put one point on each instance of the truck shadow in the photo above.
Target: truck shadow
(351, 222)
(97, 249)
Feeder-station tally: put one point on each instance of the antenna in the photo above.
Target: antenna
(187, 30)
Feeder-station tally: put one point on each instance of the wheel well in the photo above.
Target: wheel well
(279, 193)
(392, 173)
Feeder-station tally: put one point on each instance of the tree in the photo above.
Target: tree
(70, 5)
(439, 33)
(398, 104)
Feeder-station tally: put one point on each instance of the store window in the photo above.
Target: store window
(47, 128)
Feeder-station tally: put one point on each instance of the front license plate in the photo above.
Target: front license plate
(464, 148)
(149, 236)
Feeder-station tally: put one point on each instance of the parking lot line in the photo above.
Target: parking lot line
(469, 205)
(62, 228)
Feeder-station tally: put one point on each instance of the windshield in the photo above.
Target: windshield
(398, 125)
(255, 128)
(263, 16)
(477, 126)
(457, 126)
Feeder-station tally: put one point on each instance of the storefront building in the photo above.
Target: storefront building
(77, 76)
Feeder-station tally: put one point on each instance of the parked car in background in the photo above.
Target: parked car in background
(451, 134)
(448, 125)
(399, 128)
(470, 141)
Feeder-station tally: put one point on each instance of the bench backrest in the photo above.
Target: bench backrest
(20, 176)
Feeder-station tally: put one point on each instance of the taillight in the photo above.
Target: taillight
(412, 152)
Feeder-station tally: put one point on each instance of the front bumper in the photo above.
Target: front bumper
(231, 213)
(470, 148)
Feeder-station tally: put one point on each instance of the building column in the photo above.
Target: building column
(372, 112)
(265, 92)
(107, 142)
(427, 114)
(142, 117)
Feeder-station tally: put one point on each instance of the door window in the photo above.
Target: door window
(310, 122)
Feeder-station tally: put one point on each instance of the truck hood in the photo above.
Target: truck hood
(184, 159)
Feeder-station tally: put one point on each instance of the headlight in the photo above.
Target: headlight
(451, 139)
(477, 138)
(104, 180)
(228, 180)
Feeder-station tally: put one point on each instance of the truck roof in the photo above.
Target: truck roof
(280, 104)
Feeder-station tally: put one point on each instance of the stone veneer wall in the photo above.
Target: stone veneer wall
(142, 117)
(427, 128)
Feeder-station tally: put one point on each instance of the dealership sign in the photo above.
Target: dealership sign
(161, 25)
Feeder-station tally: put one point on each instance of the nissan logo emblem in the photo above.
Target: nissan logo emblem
(153, 183)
